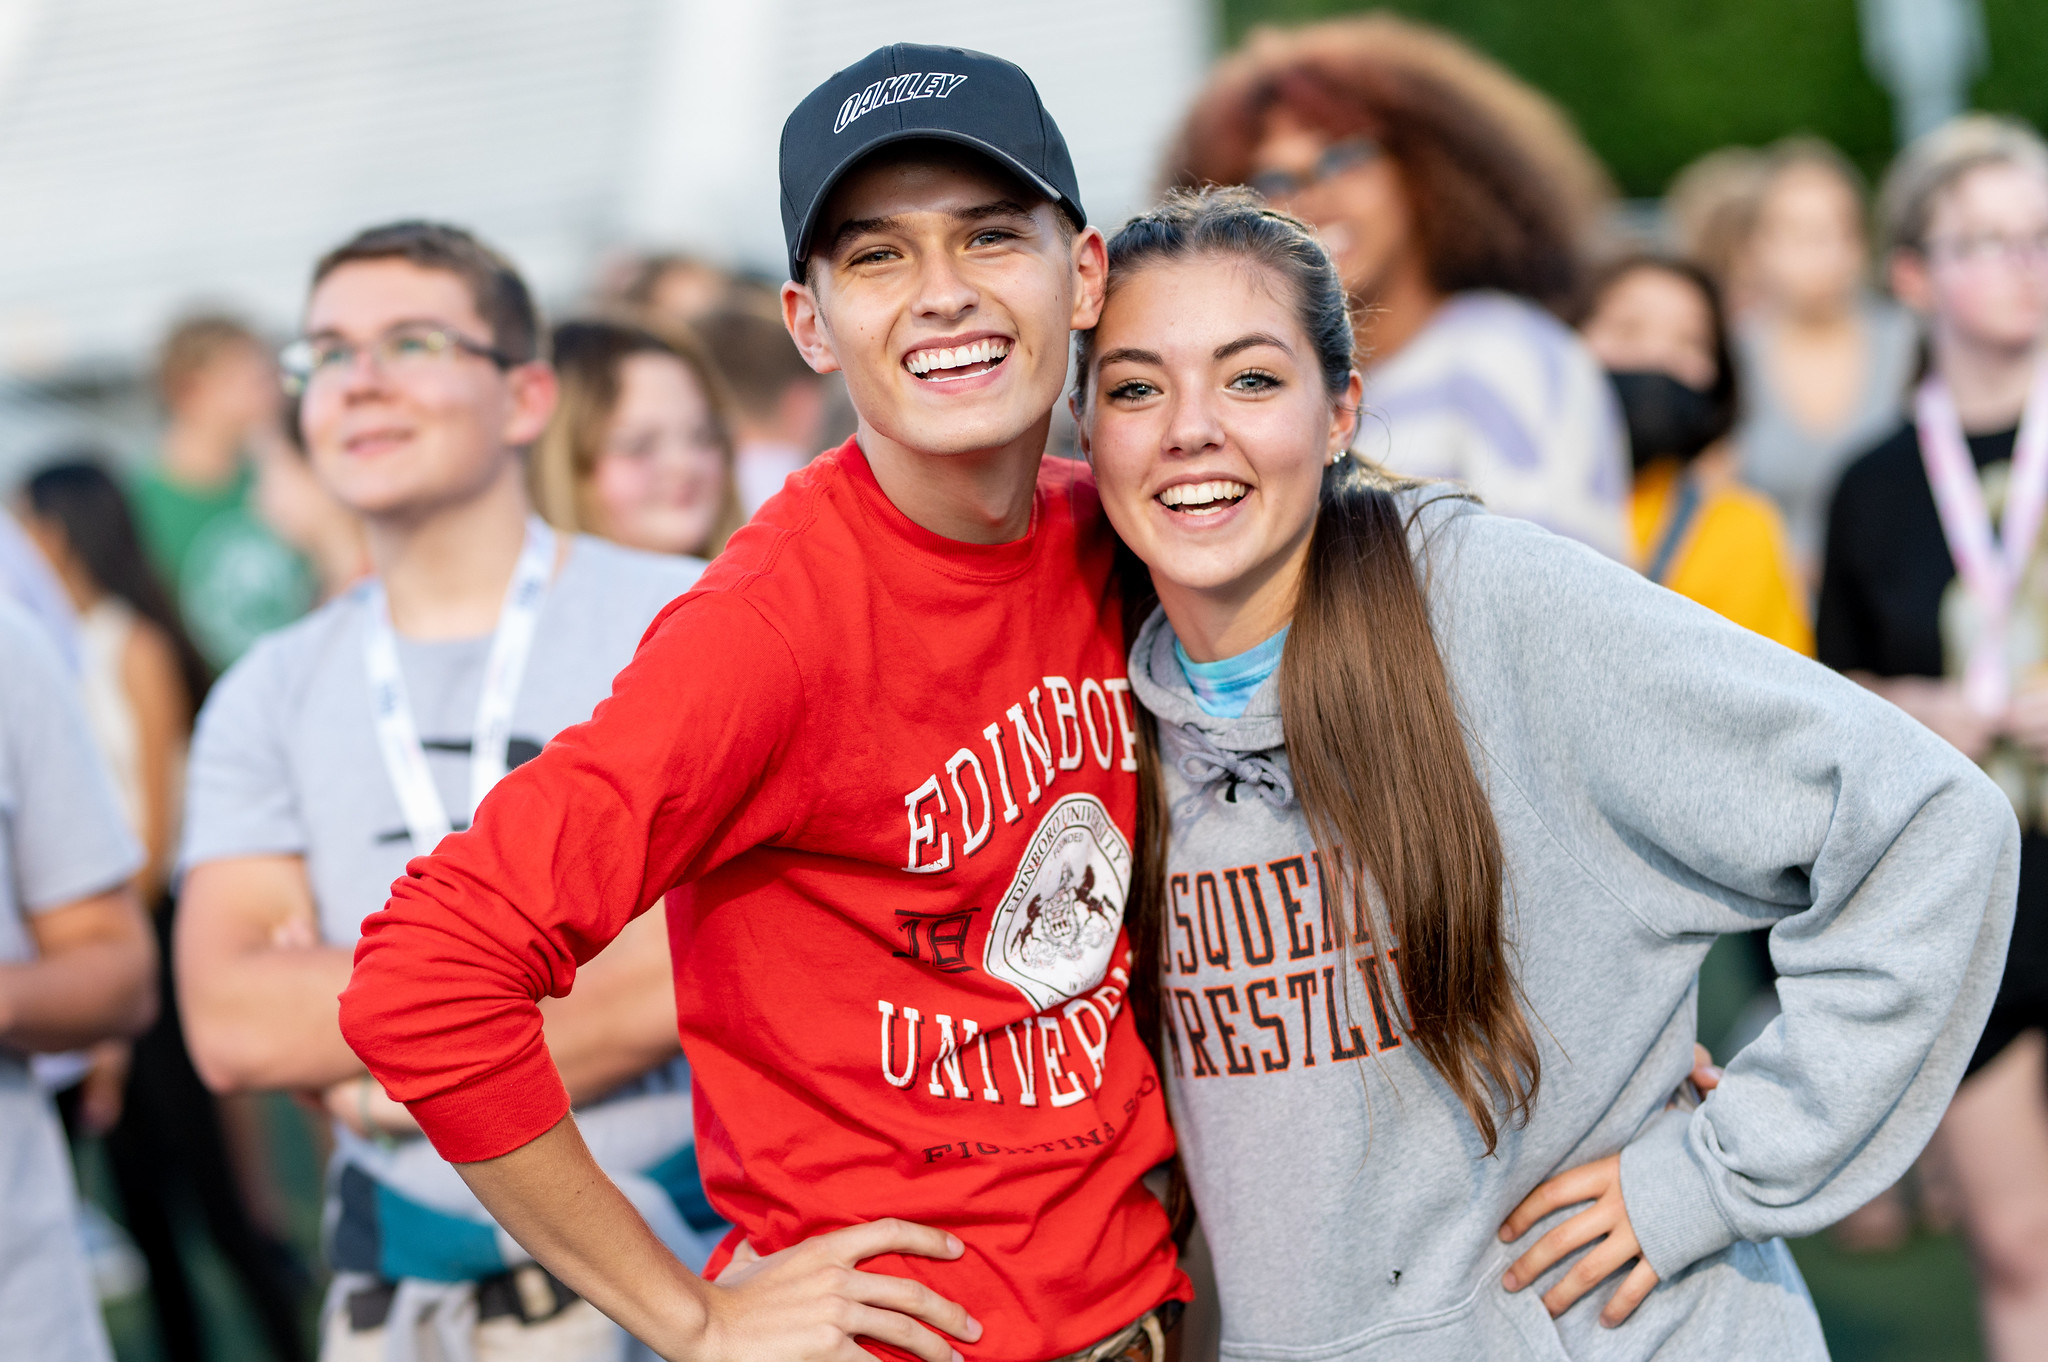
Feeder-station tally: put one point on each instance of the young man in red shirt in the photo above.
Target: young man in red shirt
(879, 763)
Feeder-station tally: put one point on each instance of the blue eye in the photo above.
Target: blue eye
(1132, 389)
(1254, 380)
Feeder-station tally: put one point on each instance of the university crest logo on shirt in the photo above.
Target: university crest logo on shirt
(1052, 933)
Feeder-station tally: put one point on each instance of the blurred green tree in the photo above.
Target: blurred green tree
(1654, 83)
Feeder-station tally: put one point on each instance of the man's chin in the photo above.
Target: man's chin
(384, 502)
(956, 437)
(966, 427)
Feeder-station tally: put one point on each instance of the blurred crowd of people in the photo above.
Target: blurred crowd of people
(1825, 423)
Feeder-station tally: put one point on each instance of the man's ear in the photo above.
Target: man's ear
(1091, 278)
(1910, 280)
(534, 390)
(807, 328)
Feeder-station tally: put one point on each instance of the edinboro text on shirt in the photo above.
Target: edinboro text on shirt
(1052, 934)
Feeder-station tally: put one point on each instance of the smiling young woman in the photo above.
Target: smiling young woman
(1528, 789)
(640, 447)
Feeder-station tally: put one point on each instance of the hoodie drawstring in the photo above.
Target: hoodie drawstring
(1209, 763)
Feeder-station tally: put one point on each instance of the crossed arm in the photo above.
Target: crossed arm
(259, 990)
(93, 978)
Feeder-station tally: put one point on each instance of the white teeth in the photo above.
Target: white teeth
(959, 357)
(1202, 494)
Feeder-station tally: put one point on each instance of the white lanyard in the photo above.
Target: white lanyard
(398, 737)
(1991, 569)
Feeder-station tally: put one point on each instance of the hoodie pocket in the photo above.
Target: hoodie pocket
(1523, 1312)
(1488, 1326)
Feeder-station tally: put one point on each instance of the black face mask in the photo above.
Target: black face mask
(1666, 418)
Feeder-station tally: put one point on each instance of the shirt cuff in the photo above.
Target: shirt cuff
(1669, 1197)
(496, 1113)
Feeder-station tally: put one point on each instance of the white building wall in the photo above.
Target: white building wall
(1116, 78)
(159, 153)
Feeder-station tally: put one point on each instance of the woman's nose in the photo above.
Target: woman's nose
(1193, 425)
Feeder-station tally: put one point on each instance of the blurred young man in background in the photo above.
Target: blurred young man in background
(359, 737)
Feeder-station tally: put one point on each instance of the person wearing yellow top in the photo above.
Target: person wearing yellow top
(1656, 325)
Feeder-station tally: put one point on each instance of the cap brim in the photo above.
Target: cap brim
(809, 221)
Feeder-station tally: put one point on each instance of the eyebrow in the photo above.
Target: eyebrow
(327, 332)
(1129, 354)
(980, 212)
(1251, 342)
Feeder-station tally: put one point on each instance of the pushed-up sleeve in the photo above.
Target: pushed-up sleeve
(1716, 782)
(675, 773)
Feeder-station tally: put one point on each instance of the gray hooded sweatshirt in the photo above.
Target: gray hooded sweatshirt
(1659, 776)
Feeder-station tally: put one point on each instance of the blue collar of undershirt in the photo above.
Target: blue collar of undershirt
(1223, 688)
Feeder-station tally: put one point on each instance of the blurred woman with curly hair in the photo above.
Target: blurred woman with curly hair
(1458, 203)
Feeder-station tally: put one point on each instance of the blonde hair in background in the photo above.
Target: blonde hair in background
(587, 357)
(1712, 208)
(192, 346)
(1931, 165)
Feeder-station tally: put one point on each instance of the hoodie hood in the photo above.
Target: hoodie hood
(1245, 752)
(1157, 680)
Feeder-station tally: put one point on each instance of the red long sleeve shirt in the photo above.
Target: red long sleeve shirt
(884, 780)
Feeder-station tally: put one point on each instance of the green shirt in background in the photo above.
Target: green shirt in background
(234, 580)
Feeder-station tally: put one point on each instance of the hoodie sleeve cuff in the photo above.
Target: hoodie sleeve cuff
(497, 1112)
(1669, 1197)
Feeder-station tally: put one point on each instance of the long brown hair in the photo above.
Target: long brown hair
(588, 356)
(1504, 192)
(1396, 809)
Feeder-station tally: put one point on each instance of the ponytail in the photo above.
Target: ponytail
(1393, 802)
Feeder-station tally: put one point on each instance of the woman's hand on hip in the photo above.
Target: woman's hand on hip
(1603, 1223)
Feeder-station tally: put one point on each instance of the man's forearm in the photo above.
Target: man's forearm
(269, 1019)
(551, 1196)
(86, 995)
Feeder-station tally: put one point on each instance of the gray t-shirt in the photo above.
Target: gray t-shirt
(62, 838)
(1797, 467)
(285, 761)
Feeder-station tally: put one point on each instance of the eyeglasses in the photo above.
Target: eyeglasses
(403, 348)
(1337, 158)
(1980, 247)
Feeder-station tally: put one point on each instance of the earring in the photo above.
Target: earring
(1338, 457)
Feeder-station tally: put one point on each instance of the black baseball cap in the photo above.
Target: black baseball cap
(910, 91)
